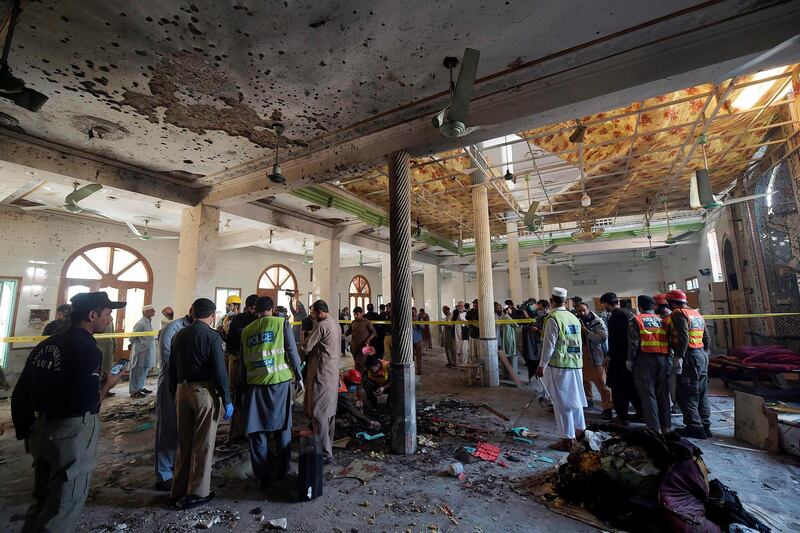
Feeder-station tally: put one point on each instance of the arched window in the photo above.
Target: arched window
(360, 294)
(117, 269)
(275, 281)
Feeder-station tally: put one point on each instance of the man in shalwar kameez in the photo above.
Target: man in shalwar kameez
(323, 346)
(270, 359)
(561, 369)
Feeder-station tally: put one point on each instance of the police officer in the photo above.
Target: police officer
(648, 351)
(271, 360)
(54, 407)
(233, 353)
(689, 340)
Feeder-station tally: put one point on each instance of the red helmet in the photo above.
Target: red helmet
(353, 376)
(677, 296)
(661, 299)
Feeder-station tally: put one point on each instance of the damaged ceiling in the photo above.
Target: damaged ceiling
(187, 88)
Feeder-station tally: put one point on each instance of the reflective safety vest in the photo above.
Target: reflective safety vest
(263, 352)
(381, 377)
(697, 326)
(652, 335)
(568, 346)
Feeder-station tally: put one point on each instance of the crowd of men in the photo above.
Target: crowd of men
(249, 366)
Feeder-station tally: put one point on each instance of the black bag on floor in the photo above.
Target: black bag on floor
(309, 472)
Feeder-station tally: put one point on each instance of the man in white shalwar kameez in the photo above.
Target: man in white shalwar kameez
(560, 367)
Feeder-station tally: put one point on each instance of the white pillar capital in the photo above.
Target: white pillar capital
(326, 272)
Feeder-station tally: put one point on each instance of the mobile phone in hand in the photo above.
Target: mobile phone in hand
(119, 366)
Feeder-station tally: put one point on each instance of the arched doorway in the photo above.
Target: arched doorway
(275, 281)
(730, 265)
(117, 269)
(360, 293)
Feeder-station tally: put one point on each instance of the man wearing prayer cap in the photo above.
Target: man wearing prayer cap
(561, 367)
(143, 353)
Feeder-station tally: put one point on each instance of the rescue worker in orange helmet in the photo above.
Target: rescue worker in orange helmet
(648, 353)
(663, 310)
(686, 329)
(350, 386)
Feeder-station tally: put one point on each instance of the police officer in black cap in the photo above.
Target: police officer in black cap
(54, 407)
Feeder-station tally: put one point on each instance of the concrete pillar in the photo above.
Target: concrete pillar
(432, 305)
(197, 252)
(545, 288)
(386, 278)
(514, 274)
(487, 344)
(533, 273)
(403, 391)
(326, 273)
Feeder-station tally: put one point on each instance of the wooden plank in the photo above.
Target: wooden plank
(509, 368)
(755, 424)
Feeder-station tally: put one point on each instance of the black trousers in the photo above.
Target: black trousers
(623, 390)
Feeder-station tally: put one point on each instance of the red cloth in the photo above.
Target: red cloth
(768, 357)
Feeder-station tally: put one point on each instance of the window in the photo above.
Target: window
(671, 286)
(713, 252)
(276, 281)
(360, 293)
(9, 299)
(692, 284)
(222, 294)
(114, 268)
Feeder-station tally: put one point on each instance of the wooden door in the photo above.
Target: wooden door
(272, 293)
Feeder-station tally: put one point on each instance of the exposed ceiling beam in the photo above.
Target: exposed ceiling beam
(243, 239)
(566, 87)
(73, 164)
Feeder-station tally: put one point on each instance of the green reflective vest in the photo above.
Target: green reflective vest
(568, 346)
(263, 352)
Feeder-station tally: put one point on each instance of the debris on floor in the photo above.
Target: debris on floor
(277, 523)
(487, 452)
(360, 469)
(638, 480)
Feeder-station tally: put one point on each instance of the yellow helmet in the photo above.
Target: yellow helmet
(233, 299)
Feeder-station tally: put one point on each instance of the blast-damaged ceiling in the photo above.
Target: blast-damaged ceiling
(188, 87)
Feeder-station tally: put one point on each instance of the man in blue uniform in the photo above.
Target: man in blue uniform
(54, 407)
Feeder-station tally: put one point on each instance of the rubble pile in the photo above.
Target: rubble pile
(639, 480)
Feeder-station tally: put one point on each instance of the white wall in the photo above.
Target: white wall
(49, 239)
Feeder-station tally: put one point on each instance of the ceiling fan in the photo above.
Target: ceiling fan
(13, 88)
(672, 239)
(587, 231)
(533, 221)
(452, 120)
(71, 201)
(145, 235)
(361, 261)
(701, 196)
(308, 259)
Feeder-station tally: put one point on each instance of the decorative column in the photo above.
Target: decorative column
(404, 411)
(487, 343)
(386, 278)
(533, 273)
(514, 273)
(197, 253)
(430, 281)
(326, 272)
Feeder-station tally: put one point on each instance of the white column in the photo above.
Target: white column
(533, 273)
(326, 273)
(514, 274)
(487, 344)
(430, 288)
(386, 278)
(545, 288)
(197, 252)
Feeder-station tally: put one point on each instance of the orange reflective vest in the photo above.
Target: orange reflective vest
(381, 377)
(697, 326)
(652, 335)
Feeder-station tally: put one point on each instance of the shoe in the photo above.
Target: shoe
(692, 433)
(110, 394)
(590, 404)
(263, 483)
(617, 421)
(564, 445)
(606, 414)
(138, 394)
(327, 460)
(192, 501)
(147, 391)
(707, 430)
(163, 485)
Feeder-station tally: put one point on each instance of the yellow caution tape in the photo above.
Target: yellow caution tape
(127, 334)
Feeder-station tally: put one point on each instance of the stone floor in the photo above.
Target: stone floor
(412, 493)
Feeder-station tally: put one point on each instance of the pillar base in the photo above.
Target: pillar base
(487, 349)
(404, 409)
